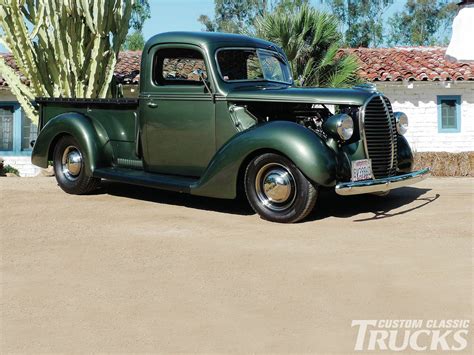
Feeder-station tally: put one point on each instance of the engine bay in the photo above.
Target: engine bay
(311, 116)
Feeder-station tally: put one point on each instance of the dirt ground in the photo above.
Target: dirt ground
(131, 269)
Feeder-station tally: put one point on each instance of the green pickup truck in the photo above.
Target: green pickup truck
(218, 115)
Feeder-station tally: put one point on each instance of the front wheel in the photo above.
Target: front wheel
(277, 190)
(71, 176)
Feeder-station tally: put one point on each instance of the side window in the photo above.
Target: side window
(449, 114)
(6, 128)
(29, 131)
(175, 66)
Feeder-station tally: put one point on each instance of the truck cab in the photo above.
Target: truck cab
(219, 114)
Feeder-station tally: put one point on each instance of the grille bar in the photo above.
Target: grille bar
(380, 136)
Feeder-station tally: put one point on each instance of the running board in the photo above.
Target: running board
(143, 178)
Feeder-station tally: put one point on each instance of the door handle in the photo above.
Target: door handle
(152, 105)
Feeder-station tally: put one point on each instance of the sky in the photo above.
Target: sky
(182, 15)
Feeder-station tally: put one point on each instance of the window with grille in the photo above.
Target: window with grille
(6, 128)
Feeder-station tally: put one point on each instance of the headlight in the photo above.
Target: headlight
(402, 122)
(340, 126)
(345, 128)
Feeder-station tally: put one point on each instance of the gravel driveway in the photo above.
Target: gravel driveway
(132, 269)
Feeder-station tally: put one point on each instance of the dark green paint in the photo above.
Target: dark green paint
(405, 155)
(312, 156)
(278, 93)
(189, 140)
(90, 134)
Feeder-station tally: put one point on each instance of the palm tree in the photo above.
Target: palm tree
(311, 41)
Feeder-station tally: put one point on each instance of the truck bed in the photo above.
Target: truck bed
(49, 107)
(118, 117)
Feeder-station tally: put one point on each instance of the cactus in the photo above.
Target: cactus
(63, 48)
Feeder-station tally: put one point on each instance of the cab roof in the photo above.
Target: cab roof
(209, 40)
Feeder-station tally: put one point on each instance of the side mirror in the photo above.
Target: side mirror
(200, 74)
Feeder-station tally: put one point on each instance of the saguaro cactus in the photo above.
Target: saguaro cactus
(63, 48)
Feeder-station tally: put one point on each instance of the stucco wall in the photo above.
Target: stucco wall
(6, 95)
(23, 165)
(419, 101)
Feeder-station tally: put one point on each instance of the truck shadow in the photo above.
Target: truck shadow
(407, 199)
(329, 204)
(238, 207)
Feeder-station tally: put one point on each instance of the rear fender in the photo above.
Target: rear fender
(90, 135)
(302, 146)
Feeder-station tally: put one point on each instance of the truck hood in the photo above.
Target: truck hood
(355, 96)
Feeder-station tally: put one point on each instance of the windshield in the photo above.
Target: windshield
(253, 65)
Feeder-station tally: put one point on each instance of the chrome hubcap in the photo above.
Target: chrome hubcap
(275, 187)
(71, 163)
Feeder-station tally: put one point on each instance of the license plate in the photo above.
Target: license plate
(361, 170)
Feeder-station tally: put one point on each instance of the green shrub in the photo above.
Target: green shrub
(10, 169)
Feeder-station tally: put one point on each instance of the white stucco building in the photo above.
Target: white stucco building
(441, 115)
(436, 94)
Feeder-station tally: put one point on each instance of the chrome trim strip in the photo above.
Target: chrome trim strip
(362, 125)
(179, 97)
(392, 134)
(381, 185)
(201, 97)
(362, 128)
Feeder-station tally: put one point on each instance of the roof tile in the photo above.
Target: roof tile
(127, 69)
(409, 63)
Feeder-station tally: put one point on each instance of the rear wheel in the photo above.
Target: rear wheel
(68, 158)
(277, 190)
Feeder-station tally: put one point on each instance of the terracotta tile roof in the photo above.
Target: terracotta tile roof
(10, 62)
(376, 64)
(409, 63)
(127, 70)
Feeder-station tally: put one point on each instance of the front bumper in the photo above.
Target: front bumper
(381, 185)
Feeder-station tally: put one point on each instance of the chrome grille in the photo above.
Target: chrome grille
(380, 133)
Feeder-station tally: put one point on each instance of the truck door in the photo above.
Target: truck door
(177, 113)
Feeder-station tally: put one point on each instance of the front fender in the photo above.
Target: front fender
(90, 135)
(405, 155)
(302, 146)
